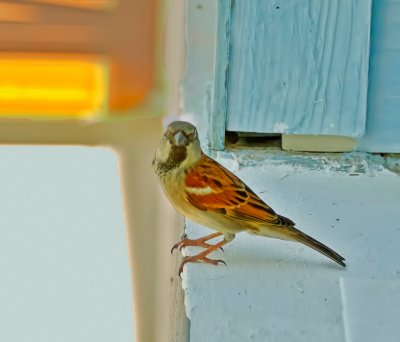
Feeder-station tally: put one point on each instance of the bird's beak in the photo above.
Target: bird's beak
(179, 139)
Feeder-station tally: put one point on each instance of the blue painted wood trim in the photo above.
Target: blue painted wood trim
(220, 95)
(299, 66)
(383, 116)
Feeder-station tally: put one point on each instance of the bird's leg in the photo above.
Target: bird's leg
(201, 242)
(202, 257)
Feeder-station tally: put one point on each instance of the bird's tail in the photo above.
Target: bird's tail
(307, 240)
(286, 231)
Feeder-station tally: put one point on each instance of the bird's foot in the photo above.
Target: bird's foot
(202, 257)
(190, 243)
(201, 242)
(199, 258)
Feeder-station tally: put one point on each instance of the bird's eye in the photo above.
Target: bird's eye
(192, 135)
(168, 133)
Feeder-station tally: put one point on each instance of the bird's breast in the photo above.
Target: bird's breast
(174, 187)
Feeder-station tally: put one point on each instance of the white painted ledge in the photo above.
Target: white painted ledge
(274, 290)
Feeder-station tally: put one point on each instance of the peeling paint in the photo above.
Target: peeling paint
(280, 127)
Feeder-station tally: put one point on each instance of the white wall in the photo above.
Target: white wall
(63, 252)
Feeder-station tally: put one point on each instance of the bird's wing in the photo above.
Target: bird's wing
(211, 187)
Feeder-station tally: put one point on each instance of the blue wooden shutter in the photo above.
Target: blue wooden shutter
(291, 67)
(383, 116)
(299, 67)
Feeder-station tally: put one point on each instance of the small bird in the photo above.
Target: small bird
(207, 193)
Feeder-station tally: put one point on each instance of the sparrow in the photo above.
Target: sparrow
(205, 192)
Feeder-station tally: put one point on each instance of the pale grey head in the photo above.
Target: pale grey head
(180, 133)
(180, 146)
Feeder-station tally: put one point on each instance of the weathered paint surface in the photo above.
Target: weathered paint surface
(197, 86)
(221, 75)
(299, 67)
(274, 290)
(205, 89)
(383, 117)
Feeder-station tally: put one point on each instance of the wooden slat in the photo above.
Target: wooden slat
(383, 124)
(220, 98)
(17, 13)
(84, 4)
(317, 143)
(299, 67)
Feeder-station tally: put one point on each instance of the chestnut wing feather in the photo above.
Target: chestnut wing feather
(211, 187)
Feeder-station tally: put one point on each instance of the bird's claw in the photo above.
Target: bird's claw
(197, 259)
(222, 262)
(176, 246)
(194, 243)
(205, 245)
(180, 243)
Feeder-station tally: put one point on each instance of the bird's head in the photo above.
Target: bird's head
(179, 147)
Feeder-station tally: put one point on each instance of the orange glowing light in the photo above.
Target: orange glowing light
(87, 4)
(52, 88)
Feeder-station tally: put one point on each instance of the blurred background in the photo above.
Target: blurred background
(83, 86)
(77, 58)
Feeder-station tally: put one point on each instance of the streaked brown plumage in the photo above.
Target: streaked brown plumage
(204, 191)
